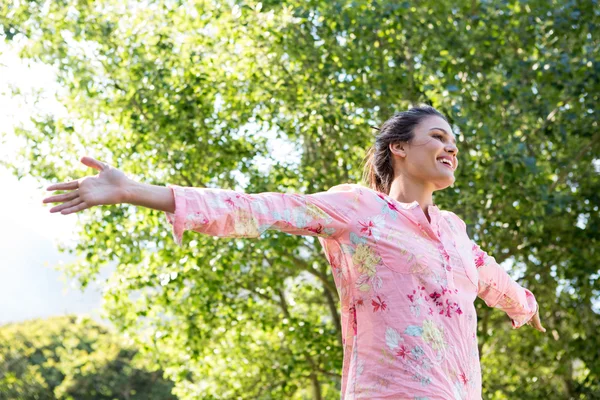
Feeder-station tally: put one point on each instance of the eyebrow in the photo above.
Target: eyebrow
(445, 132)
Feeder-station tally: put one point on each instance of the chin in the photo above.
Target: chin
(442, 184)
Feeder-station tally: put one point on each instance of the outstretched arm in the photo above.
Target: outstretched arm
(215, 212)
(499, 290)
(227, 213)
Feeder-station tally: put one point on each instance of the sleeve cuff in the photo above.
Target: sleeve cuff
(177, 219)
(525, 318)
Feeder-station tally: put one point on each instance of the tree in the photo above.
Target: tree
(73, 358)
(192, 92)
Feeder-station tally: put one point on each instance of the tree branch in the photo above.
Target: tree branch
(484, 328)
(305, 266)
(334, 314)
(313, 377)
(283, 303)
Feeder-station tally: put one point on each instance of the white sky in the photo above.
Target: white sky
(30, 286)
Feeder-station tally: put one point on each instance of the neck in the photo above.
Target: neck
(406, 190)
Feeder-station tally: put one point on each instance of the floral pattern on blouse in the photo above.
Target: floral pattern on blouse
(407, 285)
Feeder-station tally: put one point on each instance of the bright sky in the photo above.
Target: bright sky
(30, 286)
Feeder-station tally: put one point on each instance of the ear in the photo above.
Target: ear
(398, 149)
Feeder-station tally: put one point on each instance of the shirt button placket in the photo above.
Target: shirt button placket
(445, 255)
(447, 266)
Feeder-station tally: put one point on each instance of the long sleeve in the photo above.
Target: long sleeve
(227, 213)
(499, 290)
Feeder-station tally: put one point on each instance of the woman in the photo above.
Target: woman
(406, 271)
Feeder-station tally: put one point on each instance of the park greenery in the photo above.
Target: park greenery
(209, 93)
(74, 358)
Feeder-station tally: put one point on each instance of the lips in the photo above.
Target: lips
(446, 161)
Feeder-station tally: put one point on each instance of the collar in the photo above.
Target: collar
(414, 204)
(405, 206)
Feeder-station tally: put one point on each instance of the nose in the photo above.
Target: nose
(451, 148)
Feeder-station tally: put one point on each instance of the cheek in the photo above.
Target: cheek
(434, 146)
(429, 151)
(422, 158)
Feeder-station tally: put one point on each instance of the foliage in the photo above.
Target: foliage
(73, 358)
(196, 92)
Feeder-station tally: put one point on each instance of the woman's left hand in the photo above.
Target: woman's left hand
(535, 322)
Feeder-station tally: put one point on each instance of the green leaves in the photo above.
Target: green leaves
(68, 358)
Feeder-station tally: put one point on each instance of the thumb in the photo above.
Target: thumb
(93, 163)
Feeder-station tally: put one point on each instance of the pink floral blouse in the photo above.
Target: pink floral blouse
(406, 285)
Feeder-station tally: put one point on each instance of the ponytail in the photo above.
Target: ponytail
(370, 175)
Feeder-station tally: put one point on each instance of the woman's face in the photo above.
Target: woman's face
(421, 159)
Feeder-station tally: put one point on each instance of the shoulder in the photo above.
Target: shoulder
(352, 195)
(347, 187)
(354, 188)
(356, 192)
(454, 220)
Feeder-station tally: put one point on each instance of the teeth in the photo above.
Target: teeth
(445, 161)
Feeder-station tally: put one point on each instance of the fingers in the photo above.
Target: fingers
(536, 323)
(67, 205)
(64, 186)
(77, 208)
(93, 163)
(539, 327)
(61, 197)
(90, 162)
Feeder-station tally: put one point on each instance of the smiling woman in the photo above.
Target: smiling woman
(407, 154)
(406, 271)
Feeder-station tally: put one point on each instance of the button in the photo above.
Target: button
(446, 255)
(448, 268)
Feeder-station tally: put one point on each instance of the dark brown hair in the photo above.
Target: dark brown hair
(379, 172)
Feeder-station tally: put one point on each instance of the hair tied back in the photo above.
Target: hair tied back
(379, 171)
